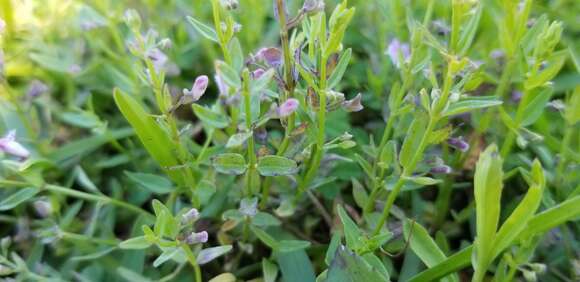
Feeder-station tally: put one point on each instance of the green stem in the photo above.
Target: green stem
(193, 261)
(251, 150)
(84, 238)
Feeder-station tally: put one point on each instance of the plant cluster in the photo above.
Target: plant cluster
(258, 140)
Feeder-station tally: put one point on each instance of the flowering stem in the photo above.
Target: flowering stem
(192, 260)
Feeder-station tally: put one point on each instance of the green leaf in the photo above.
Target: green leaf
(165, 223)
(332, 247)
(359, 193)
(470, 104)
(468, 33)
(209, 254)
(554, 66)
(276, 166)
(424, 246)
(265, 219)
(572, 112)
(165, 256)
(452, 264)
(265, 238)
(237, 54)
(203, 29)
(523, 213)
(238, 139)
(17, 198)
(257, 85)
(424, 181)
(230, 163)
(295, 266)
(534, 109)
(349, 267)
(154, 183)
(488, 186)
(413, 139)
(285, 246)
(209, 117)
(230, 76)
(136, 243)
(338, 72)
(130, 275)
(93, 256)
(269, 270)
(153, 137)
(354, 236)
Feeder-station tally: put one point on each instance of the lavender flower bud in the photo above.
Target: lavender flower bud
(459, 144)
(313, 6)
(441, 169)
(258, 73)
(353, 105)
(9, 145)
(158, 58)
(223, 88)
(36, 89)
(197, 90)
(396, 49)
(272, 56)
(196, 237)
(288, 107)
(43, 208)
(190, 216)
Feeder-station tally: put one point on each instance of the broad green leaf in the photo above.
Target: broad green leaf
(230, 76)
(413, 139)
(135, 243)
(488, 187)
(209, 254)
(265, 219)
(452, 264)
(165, 256)
(359, 193)
(17, 198)
(265, 238)
(230, 163)
(237, 54)
(338, 72)
(130, 275)
(424, 246)
(238, 139)
(354, 236)
(276, 166)
(224, 277)
(81, 119)
(349, 267)
(423, 180)
(269, 270)
(154, 183)
(534, 109)
(203, 29)
(377, 264)
(165, 223)
(332, 247)
(286, 246)
(470, 104)
(554, 66)
(153, 137)
(572, 112)
(295, 266)
(93, 256)
(210, 118)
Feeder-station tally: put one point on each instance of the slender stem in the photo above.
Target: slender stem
(251, 150)
(80, 195)
(84, 238)
(193, 261)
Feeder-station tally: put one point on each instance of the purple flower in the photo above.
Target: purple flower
(190, 216)
(458, 143)
(197, 237)
(288, 107)
(158, 58)
(441, 169)
(353, 105)
(43, 208)
(398, 50)
(272, 56)
(9, 145)
(258, 73)
(313, 6)
(36, 88)
(197, 90)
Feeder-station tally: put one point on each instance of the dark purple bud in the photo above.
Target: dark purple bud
(459, 144)
(517, 96)
(441, 169)
(272, 56)
(288, 107)
(353, 105)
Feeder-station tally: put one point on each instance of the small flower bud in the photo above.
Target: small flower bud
(272, 56)
(249, 207)
(43, 208)
(158, 58)
(197, 90)
(133, 19)
(36, 89)
(288, 107)
(258, 73)
(197, 237)
(441, 169)
(190, 216)
(229, 4)
(9, 145)
(313, 6)
(459, 144)
(353, 105)
(397, 50)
